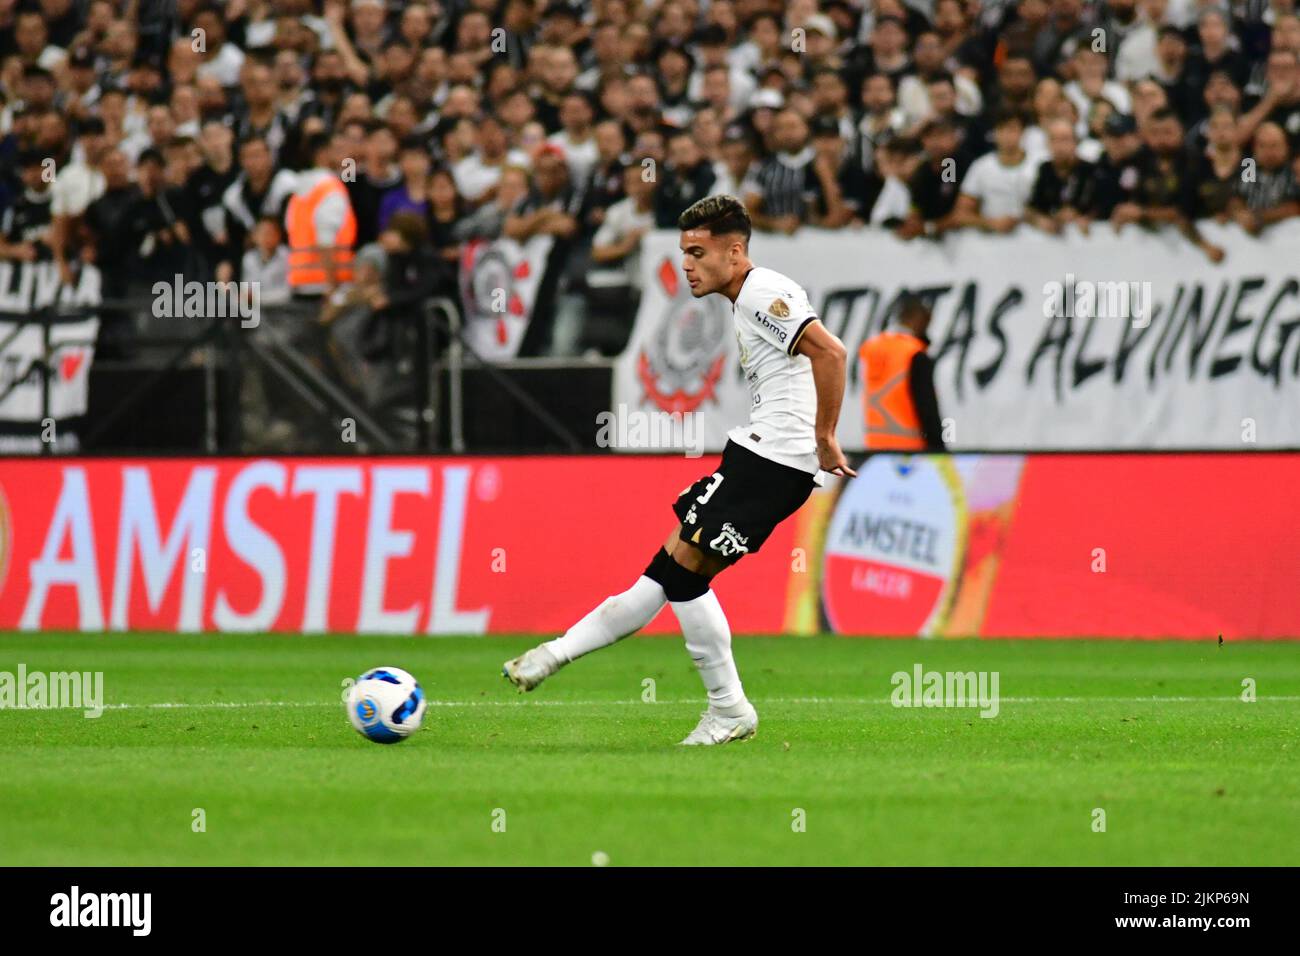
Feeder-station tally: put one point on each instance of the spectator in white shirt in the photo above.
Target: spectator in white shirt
(1090, 82)
(577, 113)
(478, 173)
(896, 161)
(267, 263)
(913, 95)
(221, 60)
(737, 162)
(1137, 54)
(31, 38)
(719, 79)
(616, 247)
(998, 185)
(614, 281)
(76, 186)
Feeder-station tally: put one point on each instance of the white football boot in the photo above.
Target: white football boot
(531, 668)
(716, 729)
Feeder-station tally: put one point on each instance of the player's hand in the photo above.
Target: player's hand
(830, 458)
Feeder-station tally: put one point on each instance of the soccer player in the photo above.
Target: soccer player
(795, 368)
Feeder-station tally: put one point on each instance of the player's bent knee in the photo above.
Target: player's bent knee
(693, 558)
(679, 583)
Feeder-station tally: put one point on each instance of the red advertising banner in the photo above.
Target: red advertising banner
(969, 545)
(1142, 546)
(401, 545)
(1193, 546)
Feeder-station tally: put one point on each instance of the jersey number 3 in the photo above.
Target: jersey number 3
(710, 489)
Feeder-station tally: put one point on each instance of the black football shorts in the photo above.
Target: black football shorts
(731, 512)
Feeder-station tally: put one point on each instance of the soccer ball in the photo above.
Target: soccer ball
(386, 705)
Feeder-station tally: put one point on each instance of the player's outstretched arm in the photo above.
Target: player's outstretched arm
(829, 359)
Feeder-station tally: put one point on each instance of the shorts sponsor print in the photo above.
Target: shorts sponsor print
(731, 512)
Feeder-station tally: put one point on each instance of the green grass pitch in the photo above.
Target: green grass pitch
(1153, 733)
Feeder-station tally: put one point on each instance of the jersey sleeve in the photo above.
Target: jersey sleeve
(777, 313)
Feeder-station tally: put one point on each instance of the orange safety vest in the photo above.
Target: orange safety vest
(306, 263)
(890, 413)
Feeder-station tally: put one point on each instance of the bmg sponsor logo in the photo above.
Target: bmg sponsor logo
(771, 326)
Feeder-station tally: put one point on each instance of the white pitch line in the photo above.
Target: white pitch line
(855, 701)
(1031, 700)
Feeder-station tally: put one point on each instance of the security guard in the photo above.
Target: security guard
(901, 409)
(321, 226)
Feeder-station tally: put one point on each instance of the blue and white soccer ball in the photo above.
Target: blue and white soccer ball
(386, 705)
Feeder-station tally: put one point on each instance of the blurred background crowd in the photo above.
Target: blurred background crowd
(165, 137)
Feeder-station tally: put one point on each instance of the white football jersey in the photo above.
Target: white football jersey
(771, 313)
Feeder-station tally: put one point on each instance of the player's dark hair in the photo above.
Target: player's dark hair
(721, 215)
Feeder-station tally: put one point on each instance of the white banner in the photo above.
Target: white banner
(498, 289)
(1128, 340)
(24, 288)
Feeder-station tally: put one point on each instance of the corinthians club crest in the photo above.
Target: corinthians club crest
(491, 284)
(499, 281)
(681, 362)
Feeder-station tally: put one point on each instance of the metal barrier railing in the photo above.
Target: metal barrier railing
(458, 347)
(221, 345)
(447, 308)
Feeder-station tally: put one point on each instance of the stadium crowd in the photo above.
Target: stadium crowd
(163, 137)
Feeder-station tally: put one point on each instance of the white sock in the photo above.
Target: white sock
(613, 620)
(708, 639)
